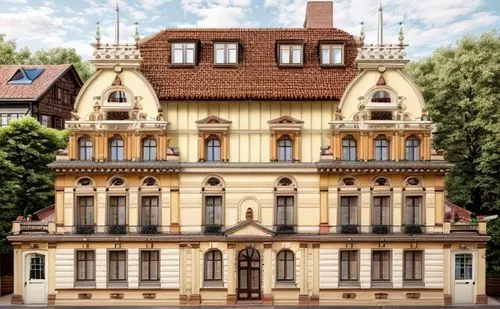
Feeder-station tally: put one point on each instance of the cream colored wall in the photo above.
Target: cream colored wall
(395, 80)
(102, 80)
(259, 189)
(249, 133)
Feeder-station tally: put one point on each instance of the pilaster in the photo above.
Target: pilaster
(195, 298)
(231, 275)
(303, 294)
(268, 252)
(314, 300)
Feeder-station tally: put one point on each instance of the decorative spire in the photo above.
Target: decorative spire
(401, 34)
(362, 34)
(136, 35)
(98, 34)
(380, 25)
(117, 33)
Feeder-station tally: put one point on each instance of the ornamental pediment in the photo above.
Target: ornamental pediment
(285, 123)
(213, 122)
(248, 228)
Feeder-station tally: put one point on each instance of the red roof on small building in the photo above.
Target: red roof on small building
(35, 90)
(258, 75)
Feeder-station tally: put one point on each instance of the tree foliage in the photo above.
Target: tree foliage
(26, 183)
(461, 86)
(10, 55)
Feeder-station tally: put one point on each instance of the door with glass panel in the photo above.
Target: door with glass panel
(35, 283)
(249, 274)
(464, 281)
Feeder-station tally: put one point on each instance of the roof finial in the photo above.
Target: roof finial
(136, 35)
(362, 34)
(98, 34)
(380, 25)
(401, 34)
(117, 33)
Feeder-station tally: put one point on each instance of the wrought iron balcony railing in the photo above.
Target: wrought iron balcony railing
(285, 229)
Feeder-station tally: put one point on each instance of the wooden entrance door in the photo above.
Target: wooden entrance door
(249, 274)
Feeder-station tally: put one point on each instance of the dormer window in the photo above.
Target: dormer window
(291, 54)
(117, 97)
(183, 53)
(332, 54)
(26, 76)
(381, 96)
(226, 53)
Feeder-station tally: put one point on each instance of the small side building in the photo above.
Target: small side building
(44, 92)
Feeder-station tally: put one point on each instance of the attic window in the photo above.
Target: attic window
(25, 76)
(290, 54)
(381, 96)
(117, 97)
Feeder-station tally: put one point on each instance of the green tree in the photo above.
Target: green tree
(10, 55)
(26, 183)
(461, 86)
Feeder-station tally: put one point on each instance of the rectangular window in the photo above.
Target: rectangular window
(213, 210)
(85, 212)
(381, 210)
(349, 265)
(285, 205)
(117, 265)
(290, 54)
(381, 266)
(45, 120)
(117, 210)
(413, 210)
(8, 117)
(349, 210)
(183, 53)
(85, 265)
(412, 266)
(226, 53)
(149, 210)
(58, 123)
(150, 266)
(332, 54)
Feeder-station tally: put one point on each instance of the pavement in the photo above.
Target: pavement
(492, 303)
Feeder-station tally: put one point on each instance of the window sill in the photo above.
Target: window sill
(226, 65)
(291, 66)
(84, 284)
(118, 284)
(285, 285)
(381, 284)
(353, 284)
(149, 284)
(182, 66)
(213, 285)
(413, 284)
(332, 66)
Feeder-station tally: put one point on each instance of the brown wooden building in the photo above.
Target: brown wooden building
(45, 92)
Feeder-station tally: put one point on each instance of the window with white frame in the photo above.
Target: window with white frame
(226, 53)
(183, 52)
(332, 54)
(290, 54)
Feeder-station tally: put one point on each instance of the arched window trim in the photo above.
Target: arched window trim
(88, 148)
(381, 149)
(214, 273)
(149, 149)
(279, 182)
(349, 148)
(285, 148)
(116, 148)
(82, 187)
(412, 148)
(343, 184)
(116, 105)
(392, 94)
(288, 257)
(213, 152)
(384, 98)
(386, 185)
(420, 184)
(112, 179)
(145, 185)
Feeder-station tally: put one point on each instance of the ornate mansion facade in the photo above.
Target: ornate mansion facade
(272, 166)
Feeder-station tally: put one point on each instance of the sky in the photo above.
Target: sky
(428, 24)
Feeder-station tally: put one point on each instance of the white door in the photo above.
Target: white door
(35, 279)
(464, 282)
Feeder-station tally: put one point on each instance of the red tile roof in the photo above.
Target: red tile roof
(257, 76)
(456, 213)
(33, 91)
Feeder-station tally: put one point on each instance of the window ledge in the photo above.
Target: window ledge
(84, 284)
(285, 285)
(123, 284)
(413, 284)
(149, 284)
(354, 284)
(226, 65)
(213, 285)
(182, 66)
(291, 66)
(332, 66)
(381, 284)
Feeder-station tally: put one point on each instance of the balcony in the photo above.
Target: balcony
(118, 229)
(414, 229)
(285, 229)
(148, 229)
(349, 229)
(212, 229)
(381, 229)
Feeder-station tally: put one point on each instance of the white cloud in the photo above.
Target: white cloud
(16, 1)
(151, 4)
(218, 13)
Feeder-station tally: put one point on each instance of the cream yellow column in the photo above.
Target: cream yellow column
(183, 297)
(447, 274)
(17, 297)
(323, 187)
(195, 298)
(365, 203)
(397, 212)
(174, 204)
(303, 294)
(51, 273)
(267, 297)
(133, 211)
(60, 209)
(231, 275)
(315, 283)
(101, 208)
(481, 297)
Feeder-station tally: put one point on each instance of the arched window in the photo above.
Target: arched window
(116, 149)
(286, 266)
(149, 149)
(285, 149)
(381, 96)
(381, 149)
(213, 266)
(85, 148)
(117, 97)
(213, 149)
(412, 148)
(348, 148)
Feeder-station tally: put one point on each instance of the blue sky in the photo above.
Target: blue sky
(429, 24)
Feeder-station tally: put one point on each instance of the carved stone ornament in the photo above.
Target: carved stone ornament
(74, 115)
(338, 115)
(117, 81)
(97, 114)
(400, 111)
(249, 214)
(136, 113)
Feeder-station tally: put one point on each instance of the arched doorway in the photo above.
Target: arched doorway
(249, 274)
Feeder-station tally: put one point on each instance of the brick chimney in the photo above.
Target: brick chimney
(319, 14)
